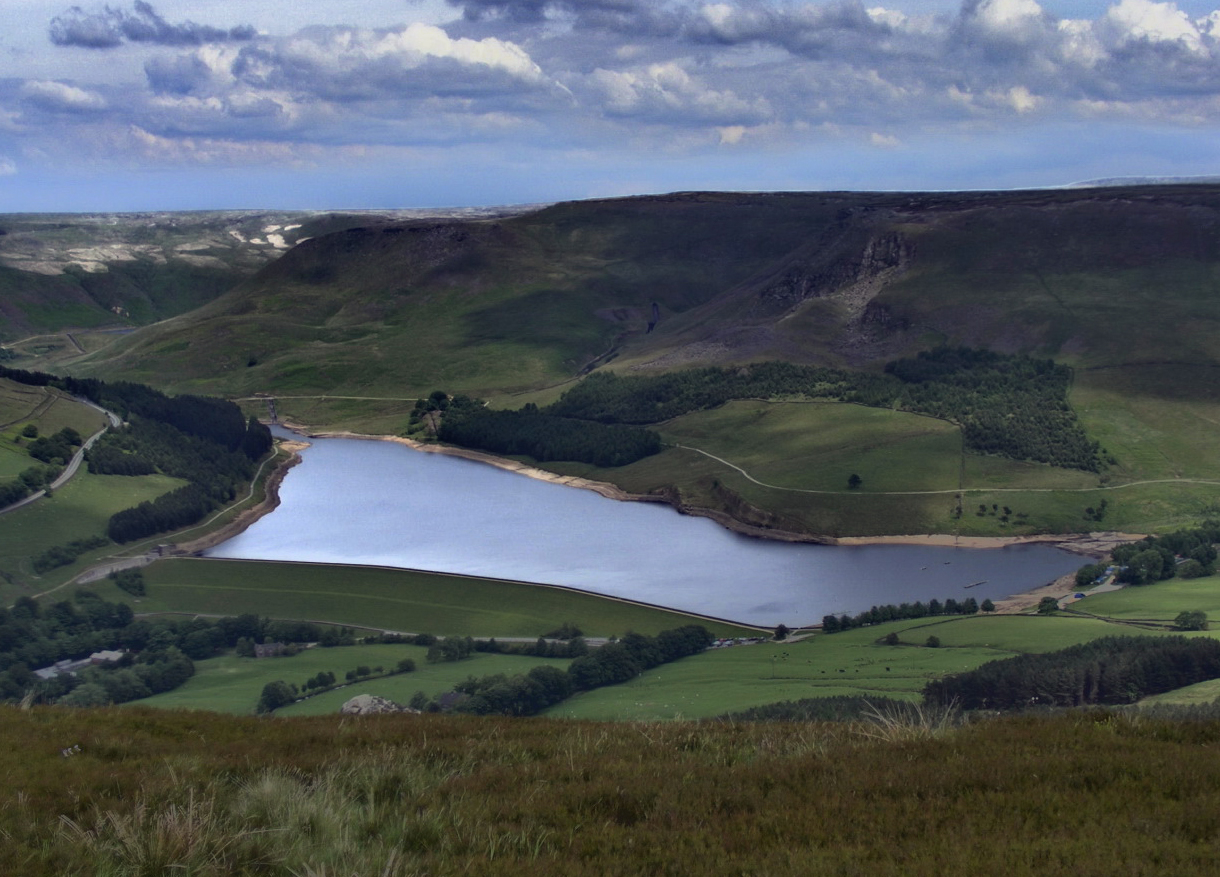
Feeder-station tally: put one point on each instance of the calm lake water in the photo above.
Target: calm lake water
(373, 502)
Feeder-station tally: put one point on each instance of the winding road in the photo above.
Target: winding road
(73, 464)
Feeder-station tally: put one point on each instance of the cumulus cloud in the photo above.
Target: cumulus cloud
(346, 64)
(539, 10)
(732, 73)
(207, 150)
(111, 27)
(1146, 21)
(61, 98)
(666, 92)
(7, 167)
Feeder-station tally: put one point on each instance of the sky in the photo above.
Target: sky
(327, 104)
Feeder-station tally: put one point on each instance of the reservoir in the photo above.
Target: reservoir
(380, 503)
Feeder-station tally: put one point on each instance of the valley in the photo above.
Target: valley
(893, 369)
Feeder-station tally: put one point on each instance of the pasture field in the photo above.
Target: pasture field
(1200, 693)
(1160, 601)
(229, 684)
(911, 468)
(817, 445)
(431, 679)
(1159, 421)
(803, 453)
(365, 416)
(391, 599)
(78, 510)
(46, 408)
(854, 662)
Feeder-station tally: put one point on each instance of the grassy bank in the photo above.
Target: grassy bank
(391, 599)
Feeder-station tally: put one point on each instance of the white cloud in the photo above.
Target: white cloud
(1134, 20)
(666, 90)
(7, 167)
(730, 135)
(884, 141)
(1079, 43)
(1008, 15)
(1020, 99)
(61, 97)
(158, 149)
(429, 41)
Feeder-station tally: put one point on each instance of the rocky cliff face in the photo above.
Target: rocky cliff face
(852, 259)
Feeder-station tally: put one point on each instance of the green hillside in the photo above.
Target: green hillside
(348, 329)
(78, 278)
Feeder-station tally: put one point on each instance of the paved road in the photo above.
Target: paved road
(73, 464)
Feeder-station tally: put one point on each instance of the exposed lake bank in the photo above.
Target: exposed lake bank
(1095, 545)
(357, 504)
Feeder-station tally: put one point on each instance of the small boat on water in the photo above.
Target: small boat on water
(975, 584)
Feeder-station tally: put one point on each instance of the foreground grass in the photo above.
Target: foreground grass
(393, 599)
(153, 792)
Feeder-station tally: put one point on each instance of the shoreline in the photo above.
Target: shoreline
(1094, 545)
(1090, 545)
(602, 488)
(269, 503)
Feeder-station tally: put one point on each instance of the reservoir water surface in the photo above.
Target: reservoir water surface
(380, 503)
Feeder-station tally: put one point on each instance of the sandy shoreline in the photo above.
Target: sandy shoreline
(1092, 545)
(1087, 544)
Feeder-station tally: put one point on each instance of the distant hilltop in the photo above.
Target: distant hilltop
(1145, 181)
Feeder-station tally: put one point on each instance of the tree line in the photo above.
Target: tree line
(528, 694)
(53, 451)
(203, 440)
(159, 652)
(62, 555)
(1008, 405)
(1186, 553)
(1111, 670)
(216, 471)
(903, 611)
(544, 437)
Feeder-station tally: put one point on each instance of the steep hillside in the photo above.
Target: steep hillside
(1120, 284)
(1100, 277)
(78, 271)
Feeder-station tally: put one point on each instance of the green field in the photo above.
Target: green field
(391, 599)
(1200, 693)
(80, 509)
(48, 409)
(431, 679)
(1161, 601)
(855, 662)
(229, 684)
(911, 468)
